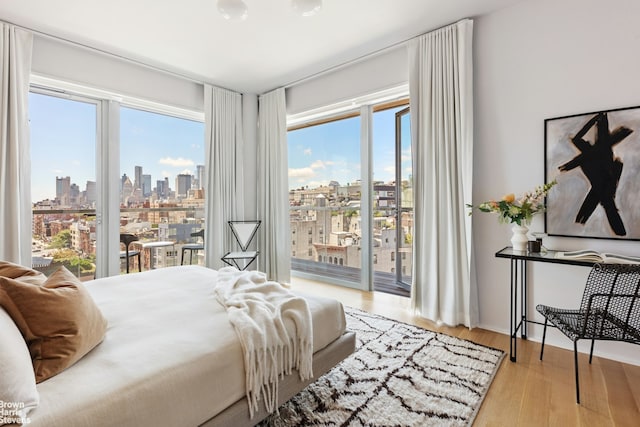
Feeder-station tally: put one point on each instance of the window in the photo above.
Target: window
(162, 180)
(63, 182)
(325, 191)
(156, 148)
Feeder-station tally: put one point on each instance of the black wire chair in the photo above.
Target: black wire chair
(610, 310)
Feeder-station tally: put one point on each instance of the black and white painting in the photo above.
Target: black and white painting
(595, 158)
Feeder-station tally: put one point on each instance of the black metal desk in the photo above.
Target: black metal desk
(519, 277)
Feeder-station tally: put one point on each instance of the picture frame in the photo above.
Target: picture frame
(595, 159)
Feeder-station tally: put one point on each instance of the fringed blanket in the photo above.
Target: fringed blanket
(258, 310)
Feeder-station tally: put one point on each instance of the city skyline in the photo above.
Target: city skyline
(63, 143)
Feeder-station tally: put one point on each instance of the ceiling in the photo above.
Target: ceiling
(273, 47)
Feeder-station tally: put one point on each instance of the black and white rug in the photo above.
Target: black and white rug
(399, 375)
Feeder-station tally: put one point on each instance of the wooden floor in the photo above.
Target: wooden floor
(529, 392)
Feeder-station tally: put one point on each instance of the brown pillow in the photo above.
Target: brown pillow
(59, 320)
(25, 274)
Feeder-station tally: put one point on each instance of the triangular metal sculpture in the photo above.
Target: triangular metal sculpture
(244, 232)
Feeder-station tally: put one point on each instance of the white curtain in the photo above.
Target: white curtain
(223, 181)
(273, 194)
(441, 101)
(15, 162)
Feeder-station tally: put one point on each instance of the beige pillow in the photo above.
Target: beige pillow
(59, 320)
(17, 382)
(24, 274)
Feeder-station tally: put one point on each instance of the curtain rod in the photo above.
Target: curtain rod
(364, 57)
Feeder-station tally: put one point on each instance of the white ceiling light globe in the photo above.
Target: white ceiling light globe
(233, 10)
(306, 7)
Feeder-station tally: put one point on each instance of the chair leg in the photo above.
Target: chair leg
(139, 263)
(182, 257)
(544, 336)
(593, 341)
(575, 360)
(127, 261)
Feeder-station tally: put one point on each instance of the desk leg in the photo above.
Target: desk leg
(513, 297)
(523, 299)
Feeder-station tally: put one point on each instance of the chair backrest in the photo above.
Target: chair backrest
(127, 238)
(199, 233)
(614, 290)
(244, 232)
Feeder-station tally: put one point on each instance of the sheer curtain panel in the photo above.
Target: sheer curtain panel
(15, 161)
(441, 101)
(273, 193)
(223, 181)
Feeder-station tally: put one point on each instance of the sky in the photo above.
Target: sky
(63, 143)
(331, 152)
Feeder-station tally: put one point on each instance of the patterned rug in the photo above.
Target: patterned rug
(399, 375)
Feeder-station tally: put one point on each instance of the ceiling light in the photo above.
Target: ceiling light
(306, 7)
(233, 10)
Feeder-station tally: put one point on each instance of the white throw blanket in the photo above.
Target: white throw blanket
(258, 309)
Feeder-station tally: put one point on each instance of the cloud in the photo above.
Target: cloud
(57, 171)
(301, 173)
(390, 169)
(165, 174)
(176, 163)
(187, 172)
(307, 151)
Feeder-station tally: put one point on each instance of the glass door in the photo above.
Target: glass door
(404, 200)
(392, 202)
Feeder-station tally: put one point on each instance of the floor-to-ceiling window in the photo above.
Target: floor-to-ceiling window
(324, 198)
(327, 169)
(63, 182)
(161, 185)
(75, 152)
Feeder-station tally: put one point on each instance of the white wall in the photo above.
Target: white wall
(533, 61)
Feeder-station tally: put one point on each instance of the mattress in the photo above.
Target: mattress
(170, 356)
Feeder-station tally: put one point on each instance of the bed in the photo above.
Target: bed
(170, 357)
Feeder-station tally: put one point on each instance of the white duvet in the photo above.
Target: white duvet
(170, 356)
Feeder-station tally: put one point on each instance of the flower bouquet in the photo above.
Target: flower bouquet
(519, 211)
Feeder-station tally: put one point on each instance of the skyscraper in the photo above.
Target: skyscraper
(200, 175)
(146, 185)
(183, 184)
(137, 183)
(63, 190)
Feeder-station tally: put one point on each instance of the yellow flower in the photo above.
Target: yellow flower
(509, 198)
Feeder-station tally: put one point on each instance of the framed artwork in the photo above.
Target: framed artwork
(595, 157)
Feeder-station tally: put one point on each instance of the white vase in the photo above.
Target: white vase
(519, 238)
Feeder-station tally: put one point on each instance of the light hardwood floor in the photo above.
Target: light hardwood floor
(528, 392)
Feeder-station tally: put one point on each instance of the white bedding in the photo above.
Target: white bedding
(170, 356)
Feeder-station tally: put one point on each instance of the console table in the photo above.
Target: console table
(519, 280)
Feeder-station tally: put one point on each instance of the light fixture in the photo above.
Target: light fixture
(306, 7)
(233, 10)
(237, 10)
